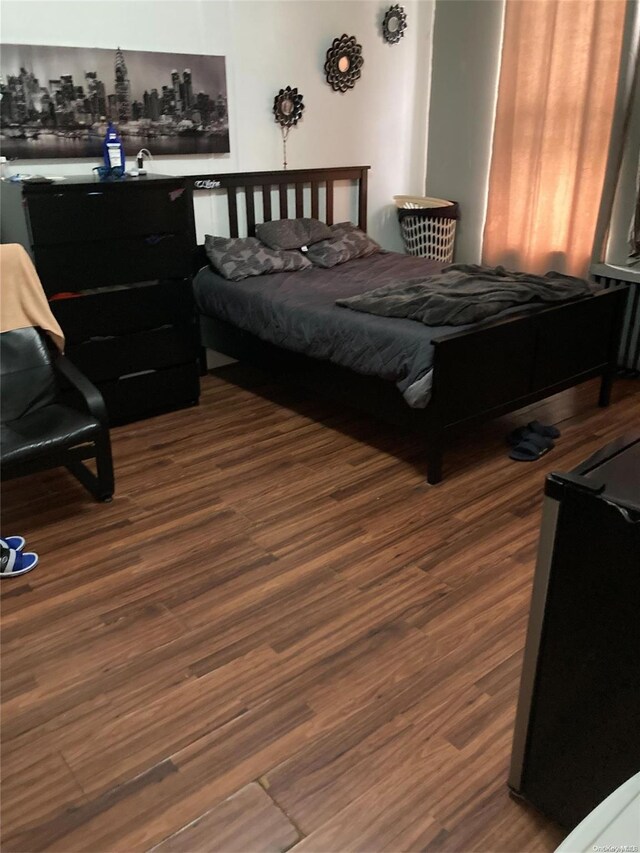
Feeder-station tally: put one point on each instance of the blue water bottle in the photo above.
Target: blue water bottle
(113, 152)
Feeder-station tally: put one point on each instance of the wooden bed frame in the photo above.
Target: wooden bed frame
(496, 367)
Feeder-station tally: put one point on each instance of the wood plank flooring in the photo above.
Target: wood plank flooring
(277, 637)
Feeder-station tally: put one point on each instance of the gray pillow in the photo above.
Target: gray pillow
(346, 244)
(292, 233)
(236, 258)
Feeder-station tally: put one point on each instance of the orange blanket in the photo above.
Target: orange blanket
(22, 300)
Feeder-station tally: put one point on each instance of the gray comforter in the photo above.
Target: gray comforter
(298, 311)
(464, 293)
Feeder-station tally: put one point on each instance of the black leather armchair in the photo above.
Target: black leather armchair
(51, 415)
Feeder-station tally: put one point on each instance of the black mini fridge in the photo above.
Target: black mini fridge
(577, 730)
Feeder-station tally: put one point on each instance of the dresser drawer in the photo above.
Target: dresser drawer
(109, 358)
(121, 311)
(99, 212)
(84, 265)
(137, 396)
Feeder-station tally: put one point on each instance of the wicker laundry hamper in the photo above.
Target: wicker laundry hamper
(428, 226)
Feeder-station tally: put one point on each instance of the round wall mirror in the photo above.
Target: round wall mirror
(344, 61)
(394, 24)
(288, 107)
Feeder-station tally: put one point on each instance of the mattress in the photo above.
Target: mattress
(297, 311)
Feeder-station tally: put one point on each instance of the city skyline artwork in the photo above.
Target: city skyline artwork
(57, 101)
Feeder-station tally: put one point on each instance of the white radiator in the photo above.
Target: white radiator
(629, 354)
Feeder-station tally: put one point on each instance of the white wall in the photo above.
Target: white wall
(382, 122)
(467, 42)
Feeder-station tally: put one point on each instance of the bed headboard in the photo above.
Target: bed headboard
(302, 180)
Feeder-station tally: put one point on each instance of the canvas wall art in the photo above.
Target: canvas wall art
(56, 101)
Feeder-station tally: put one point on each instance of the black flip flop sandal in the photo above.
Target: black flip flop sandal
(545, 430)
(531, 448)
(532, 428)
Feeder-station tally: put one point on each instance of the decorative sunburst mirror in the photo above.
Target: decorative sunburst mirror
(288, 107)
(394, 24)
(344, 63)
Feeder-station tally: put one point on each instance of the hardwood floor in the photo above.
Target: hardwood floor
(277, 636)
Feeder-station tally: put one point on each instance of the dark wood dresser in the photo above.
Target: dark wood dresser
(120, 253)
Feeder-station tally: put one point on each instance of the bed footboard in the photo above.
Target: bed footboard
(502, 366)
(478, 374)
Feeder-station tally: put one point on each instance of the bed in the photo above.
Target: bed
(435, 379)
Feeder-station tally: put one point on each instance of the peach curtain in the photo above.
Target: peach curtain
(556, 96)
